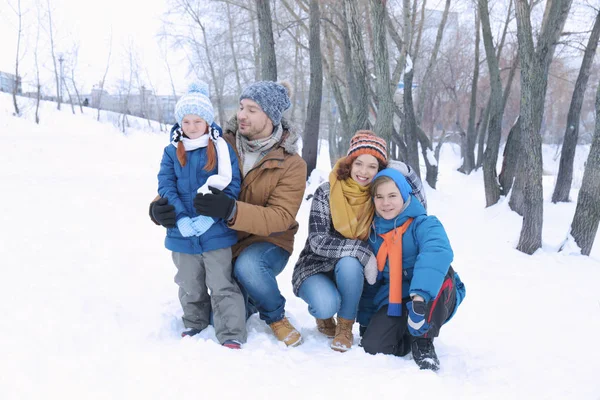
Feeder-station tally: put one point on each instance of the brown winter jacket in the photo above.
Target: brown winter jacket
(270, 195)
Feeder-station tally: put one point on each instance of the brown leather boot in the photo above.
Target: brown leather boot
(326, 326)
(286, 332)
(343, 335)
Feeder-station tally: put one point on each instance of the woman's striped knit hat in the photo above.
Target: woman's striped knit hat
(366, 142)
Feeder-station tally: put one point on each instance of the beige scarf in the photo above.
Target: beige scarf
(351, 206)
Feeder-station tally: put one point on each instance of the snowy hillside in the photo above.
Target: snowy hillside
(90, 310)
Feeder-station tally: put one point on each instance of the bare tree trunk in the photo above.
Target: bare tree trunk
(213, 73)
(15, 89)
(490, 157)
(471, 137)
(360, 103)
(256, 51)
(313, 111)
(424, 87)
(56, 72)
(104, 78)
(329, 63)
(587, 214)
(535, 64)
(233, 52)
(410, 124)
(510, 159)
(385, 110)
(296, 75)
(69, 94)
(430, 156)
(565, 170)
(482, 134)
(268, 60)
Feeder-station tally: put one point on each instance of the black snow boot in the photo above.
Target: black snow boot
(424, 354)
(191, 332)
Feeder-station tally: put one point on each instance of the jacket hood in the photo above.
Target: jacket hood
(289, 140)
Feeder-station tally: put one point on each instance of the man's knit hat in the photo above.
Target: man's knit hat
(196, 102)
(366, 142)
(272, 97)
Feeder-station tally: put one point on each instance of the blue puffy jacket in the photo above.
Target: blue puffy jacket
(179, 185)
(426, 258)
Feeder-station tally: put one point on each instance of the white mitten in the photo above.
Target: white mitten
(371, 270)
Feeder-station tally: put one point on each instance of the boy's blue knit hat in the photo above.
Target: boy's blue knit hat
(272, 97)
(196, 102)
(399, 180)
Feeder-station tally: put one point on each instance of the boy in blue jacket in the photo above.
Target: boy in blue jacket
(416, 291)
(196, 159)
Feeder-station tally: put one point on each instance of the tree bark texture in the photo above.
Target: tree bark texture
(587, 213)
(471, 137)
(424, 87)
(409, 122)
(510, 159)
(494, 127)
(360, 102)
(313, 111)
(385, 109)
(268, 60)
(565, 169)
(535, 64)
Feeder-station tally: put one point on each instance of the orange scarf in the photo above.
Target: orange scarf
(391, 249)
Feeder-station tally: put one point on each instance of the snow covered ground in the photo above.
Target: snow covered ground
(90, 311)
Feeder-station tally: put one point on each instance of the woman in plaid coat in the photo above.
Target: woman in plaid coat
(330, 272)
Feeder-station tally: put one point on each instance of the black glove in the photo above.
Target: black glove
(216, 205)
(163, 213)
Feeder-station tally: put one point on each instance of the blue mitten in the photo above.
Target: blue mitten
(417, 322)
(202, 223)
(185, 227)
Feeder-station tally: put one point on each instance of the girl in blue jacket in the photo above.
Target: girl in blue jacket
(198, 159)
(416, 291)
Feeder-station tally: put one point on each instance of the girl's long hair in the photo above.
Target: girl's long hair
(211, 154)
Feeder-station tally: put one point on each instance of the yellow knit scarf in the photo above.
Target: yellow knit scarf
(351, 206)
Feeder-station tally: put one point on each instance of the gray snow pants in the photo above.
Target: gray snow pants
(196, 273)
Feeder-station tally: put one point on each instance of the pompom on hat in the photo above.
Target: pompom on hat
(366, 142)
(272, 97)
(195, 102)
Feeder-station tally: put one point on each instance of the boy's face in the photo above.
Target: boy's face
(253, 122)
(194, 126)
(388, 200)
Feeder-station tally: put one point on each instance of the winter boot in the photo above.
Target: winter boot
(285, 332)
(343, 339)
(232, 344)
(424, 353)
(191, 332)
(326, 327)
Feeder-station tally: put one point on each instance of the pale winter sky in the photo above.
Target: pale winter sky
(90, 23)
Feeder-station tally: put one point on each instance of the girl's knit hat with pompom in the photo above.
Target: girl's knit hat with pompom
(367, 142)
(196, 102)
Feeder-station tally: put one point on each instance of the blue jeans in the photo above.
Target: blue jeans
(326, 297)
(255, 270)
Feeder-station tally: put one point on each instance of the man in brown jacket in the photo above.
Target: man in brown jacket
(274, 179)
